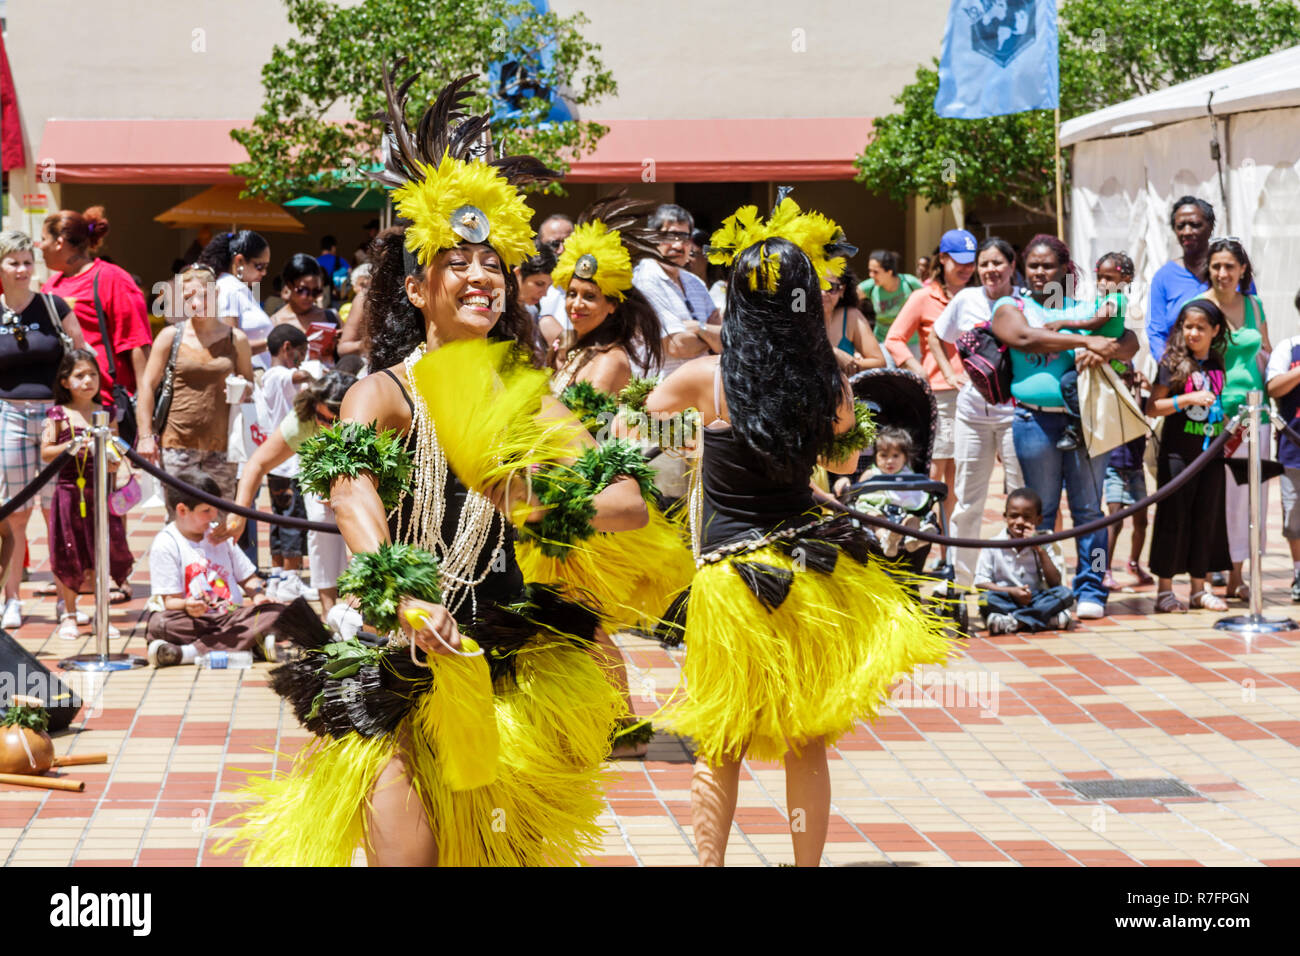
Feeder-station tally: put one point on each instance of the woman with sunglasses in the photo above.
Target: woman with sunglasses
(31, 326)
(316, 407)
(855, 345)
(303, 281)
(241, 261)
(196, 431)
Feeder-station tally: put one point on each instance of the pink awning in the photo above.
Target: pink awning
(11, 131)
(725, 150)
(142, 151)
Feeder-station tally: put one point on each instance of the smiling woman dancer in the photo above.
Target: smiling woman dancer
(386, 770)
(793, 630)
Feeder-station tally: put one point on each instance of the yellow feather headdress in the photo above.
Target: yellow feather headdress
(819, 237)
(600, 249)
(446, 181)
(596, 253)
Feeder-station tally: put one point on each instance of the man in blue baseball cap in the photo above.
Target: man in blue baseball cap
(959, 244)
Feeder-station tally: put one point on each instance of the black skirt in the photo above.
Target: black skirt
(1190, 532)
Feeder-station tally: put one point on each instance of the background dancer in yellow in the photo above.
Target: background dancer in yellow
(793, 629)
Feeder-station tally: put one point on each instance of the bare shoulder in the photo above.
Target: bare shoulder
(378, 398)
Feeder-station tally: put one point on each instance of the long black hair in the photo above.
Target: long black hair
(782, 382)
(71, 358)
(633, 325)
(394, 326)
(1234, 248)
(1178, 358)
(221, 251)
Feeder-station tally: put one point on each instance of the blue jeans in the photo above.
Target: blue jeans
(1039, 614)
(1046, 470)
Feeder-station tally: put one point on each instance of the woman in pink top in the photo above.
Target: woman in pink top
(954, 271)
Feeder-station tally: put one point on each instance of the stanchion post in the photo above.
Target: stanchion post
(102, 660)
(1255, 622)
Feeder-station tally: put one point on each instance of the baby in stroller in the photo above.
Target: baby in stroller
(894, 455)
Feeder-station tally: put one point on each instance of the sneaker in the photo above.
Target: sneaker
(1003, 624)
(1064, 622)
(164, 654)
(273, 586)
(311, 594)
(1295, 589)
(60, 608)
(13, 615)
(1069, 439)
(1091, 611)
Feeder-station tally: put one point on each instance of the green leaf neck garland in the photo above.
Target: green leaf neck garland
(861, 435)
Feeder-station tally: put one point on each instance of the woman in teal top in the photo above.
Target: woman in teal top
(856, 349)
(1247, 352)
(1039, 356)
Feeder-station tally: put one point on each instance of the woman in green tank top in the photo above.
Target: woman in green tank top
(1244, 359)
(887, 289)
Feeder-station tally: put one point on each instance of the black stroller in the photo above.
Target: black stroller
(903, 399)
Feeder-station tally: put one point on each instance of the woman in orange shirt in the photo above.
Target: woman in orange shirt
(954, 271)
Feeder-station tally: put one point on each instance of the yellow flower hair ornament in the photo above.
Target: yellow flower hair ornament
(446, 182)
(609, 234)
(596, 253)
(458, 201)
(819, 237)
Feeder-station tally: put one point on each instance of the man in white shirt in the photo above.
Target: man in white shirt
(688, 319)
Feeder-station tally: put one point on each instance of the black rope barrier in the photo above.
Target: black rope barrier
(286, 521)
(1186, 475)
(29, 490)
(1290, 432)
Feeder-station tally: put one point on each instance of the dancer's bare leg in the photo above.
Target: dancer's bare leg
(397, 829)
(713, 804)
(808, 799)
(610, 658)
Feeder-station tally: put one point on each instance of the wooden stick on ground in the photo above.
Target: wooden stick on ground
(43, 783)
(76, 760)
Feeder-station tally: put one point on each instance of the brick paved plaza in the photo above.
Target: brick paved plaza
(969, 768)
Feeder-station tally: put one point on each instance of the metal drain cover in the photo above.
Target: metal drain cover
(1119, 789)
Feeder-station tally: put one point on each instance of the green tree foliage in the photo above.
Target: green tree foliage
(1110, 50)
(342, 50)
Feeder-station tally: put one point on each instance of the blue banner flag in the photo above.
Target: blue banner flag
(999, 56)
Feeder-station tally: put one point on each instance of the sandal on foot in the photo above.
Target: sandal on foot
(1167, 603)
(1143, 578)
(119, 594)
(68, 628)
(1207, 600)
(1242, 593)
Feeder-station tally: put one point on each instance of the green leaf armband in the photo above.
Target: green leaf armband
(380, 580)
(636, 392)
(350, 449)
(594, 408)
(567, 492)
(862, 434)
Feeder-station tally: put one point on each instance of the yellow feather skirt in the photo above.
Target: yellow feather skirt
(555, 721)
(766, 682)
(632, 576)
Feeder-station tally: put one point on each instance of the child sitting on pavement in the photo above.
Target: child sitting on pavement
(202, 587)
(893, 456)
(1021, 587)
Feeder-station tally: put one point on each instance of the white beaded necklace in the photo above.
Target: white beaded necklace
(457, 561)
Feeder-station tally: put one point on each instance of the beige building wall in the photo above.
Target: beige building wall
(674, 59)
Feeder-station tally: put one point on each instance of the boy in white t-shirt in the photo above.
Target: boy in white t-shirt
(287, 346)
(204, 587)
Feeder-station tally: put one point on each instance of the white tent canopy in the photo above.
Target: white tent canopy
(1270, 82)
(1133, 159)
